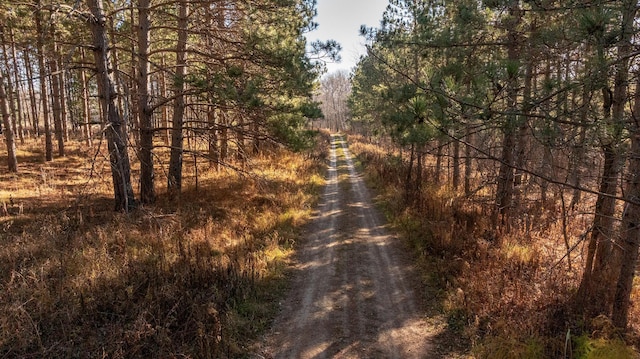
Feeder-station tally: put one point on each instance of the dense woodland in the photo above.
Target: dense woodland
(179, 111)
(527, 112)
(228, 76)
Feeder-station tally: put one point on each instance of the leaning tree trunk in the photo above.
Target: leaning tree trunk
(174, 184)
(147, 191)
(12, 162)
(115, 126)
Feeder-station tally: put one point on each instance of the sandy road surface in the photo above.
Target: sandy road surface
(352, 295)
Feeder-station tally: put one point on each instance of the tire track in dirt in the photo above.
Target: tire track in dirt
(352, 294)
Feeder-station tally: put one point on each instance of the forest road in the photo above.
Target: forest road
(353, 291)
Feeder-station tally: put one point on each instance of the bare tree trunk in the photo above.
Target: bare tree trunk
(64, 105)
(214, 152)
(12, 161)
(504, 192)
(224, 136)
(56, 95)
(630, 233)
(20, 107)
(240, 138)
(132, 83)
(9, 96)
(549, 140)
(468, 164)
(147, 190)
(438, 170)
(578, 152)
(116, 128)
(407, 182)
(175, 161)
(32, 93)
(115, 64)
(43, 85)
(456, 165)
(419, 171)
(86, 109)
(256, 137)
(164, 111)
(523, 130)
(603, 268)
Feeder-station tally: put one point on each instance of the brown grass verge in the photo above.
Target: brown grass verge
(194, 277)
(509, 294)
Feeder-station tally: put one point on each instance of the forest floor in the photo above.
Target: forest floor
(195, 276)
(354, 291)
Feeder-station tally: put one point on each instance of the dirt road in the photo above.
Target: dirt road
(352, 294)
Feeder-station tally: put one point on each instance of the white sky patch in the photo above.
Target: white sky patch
(340, 20)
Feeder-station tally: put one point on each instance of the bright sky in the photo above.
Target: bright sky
(340, 20)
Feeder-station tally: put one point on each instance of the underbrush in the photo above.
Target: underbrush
(197, 276)
(509, 293)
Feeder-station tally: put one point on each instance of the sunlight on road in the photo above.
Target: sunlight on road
(352, 295)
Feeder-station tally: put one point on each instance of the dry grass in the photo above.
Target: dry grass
(193, 277)
(509, 294)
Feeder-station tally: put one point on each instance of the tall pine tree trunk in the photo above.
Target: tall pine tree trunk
(116, 77)
(44, 98)
(629, 234)
(438, 171)
(224, 136)
(86, 109)
(523, 129)
(468, 163)
(241, 153)
(214, 153)
(578, 152)
(602, 264)
(12, 161)
(35, 123)
(177, 140)
(504, 192)
(20, 108)
(64, 104)
(10, 85)
(164, 111)
(147, 190)
(56, 97)
(456, 165)
(116, 128)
